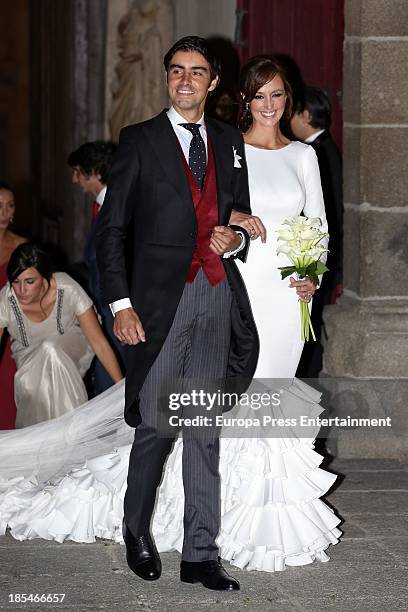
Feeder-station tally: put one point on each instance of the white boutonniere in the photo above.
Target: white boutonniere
(237, 158)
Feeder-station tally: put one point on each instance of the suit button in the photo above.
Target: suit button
(193, 235)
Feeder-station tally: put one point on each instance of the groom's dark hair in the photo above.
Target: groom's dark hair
(200, 45)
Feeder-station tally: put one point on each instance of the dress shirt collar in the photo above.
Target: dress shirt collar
(101, 196)
(313, 137)
(175, 118)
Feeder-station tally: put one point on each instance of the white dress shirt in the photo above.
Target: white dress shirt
(184, 137)
(313, 137)
(101, 196)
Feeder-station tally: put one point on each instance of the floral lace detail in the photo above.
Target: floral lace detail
(60, 300)
(20, 322)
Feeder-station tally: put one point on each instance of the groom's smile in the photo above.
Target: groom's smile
(189, 81)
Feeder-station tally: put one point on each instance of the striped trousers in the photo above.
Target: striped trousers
(196, 347)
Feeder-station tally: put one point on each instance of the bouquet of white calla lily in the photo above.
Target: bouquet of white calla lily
(300, 243)
(313, 221)
(285, 234)
(284, 248)
(300, 221)
(308, 234)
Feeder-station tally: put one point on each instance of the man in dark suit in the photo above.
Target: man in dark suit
(90, 165)
(310, 123)
(164, 250)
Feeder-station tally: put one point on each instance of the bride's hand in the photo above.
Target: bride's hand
(251, 223)
(304, 288)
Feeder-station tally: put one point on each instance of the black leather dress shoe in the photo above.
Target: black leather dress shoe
(141, 555)
(211, 574)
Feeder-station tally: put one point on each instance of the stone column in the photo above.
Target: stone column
(67, 109)
(368, 328)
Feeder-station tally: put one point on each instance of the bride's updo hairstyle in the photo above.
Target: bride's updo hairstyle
(258, 71)
(30, 255)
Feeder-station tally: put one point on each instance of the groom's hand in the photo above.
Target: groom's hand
(127, 327)
(224, 239)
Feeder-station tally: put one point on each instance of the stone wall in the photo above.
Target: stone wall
(368, 329)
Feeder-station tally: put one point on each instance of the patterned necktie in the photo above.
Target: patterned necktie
(197, 158)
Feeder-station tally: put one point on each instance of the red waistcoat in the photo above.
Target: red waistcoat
(206, 209)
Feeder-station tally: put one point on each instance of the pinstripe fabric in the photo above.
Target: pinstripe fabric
(197, 347)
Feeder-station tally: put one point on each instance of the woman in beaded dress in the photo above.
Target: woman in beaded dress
(54, 334)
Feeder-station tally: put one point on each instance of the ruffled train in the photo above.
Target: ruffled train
(272, 514)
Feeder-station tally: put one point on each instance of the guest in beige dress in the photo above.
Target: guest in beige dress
(54, 335)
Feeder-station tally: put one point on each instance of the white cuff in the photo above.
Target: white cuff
(120, 305)
(238, 249)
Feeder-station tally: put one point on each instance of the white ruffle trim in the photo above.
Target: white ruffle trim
(81, 506)
(272, 516)
(268, 538)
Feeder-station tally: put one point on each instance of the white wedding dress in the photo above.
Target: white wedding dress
(272, 515)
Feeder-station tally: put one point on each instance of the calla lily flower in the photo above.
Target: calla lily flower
(300, 243)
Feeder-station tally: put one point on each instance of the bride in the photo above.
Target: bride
(272, 515)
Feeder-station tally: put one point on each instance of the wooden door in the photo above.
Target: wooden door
(309, 31)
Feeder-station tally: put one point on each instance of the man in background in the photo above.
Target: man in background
(91, 164)
(310, 123)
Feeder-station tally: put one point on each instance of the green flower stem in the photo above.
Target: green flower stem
(306, 322)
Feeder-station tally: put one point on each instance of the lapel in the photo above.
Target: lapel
(167, 149)
(320, 140)
(224, 162)
(165, 144)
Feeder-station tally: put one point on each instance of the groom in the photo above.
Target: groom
(165, 254)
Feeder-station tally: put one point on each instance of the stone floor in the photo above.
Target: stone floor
(368, 570)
